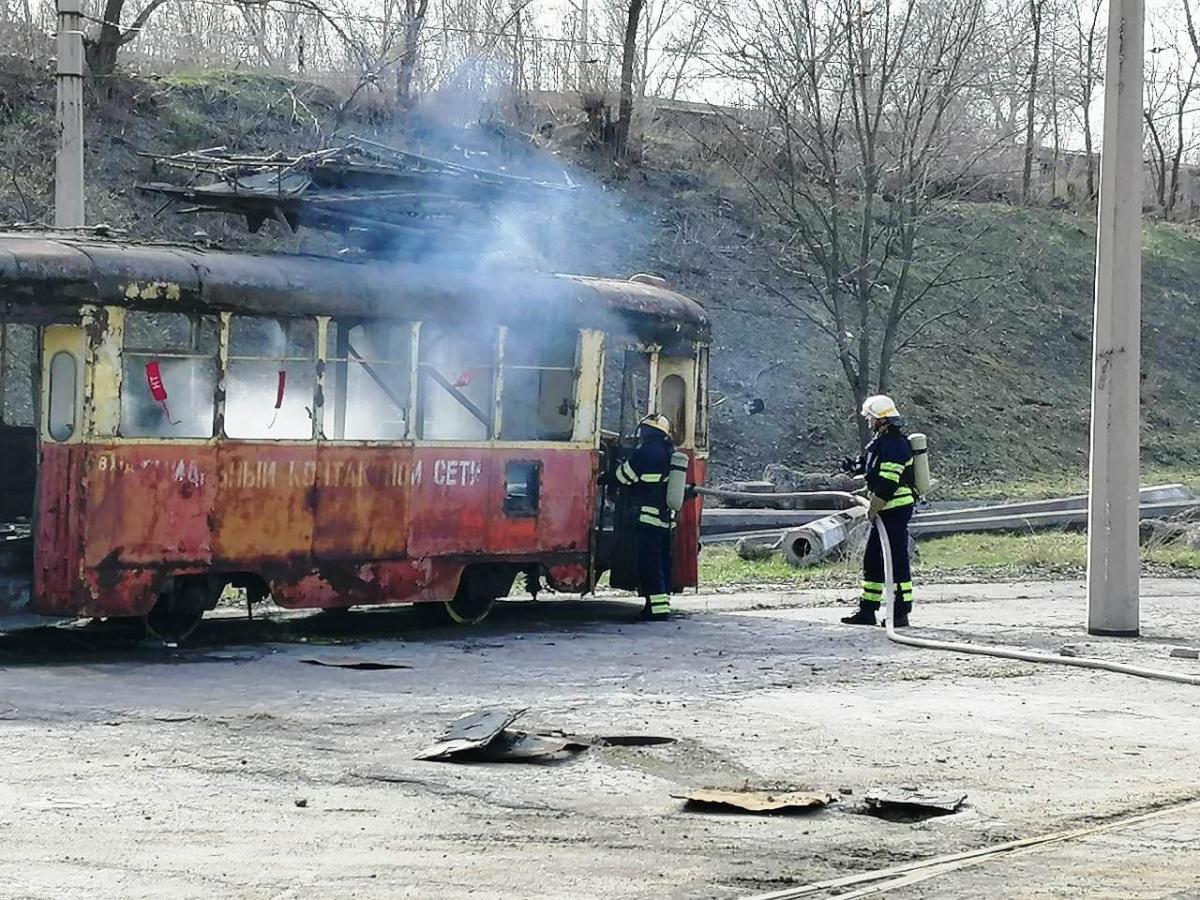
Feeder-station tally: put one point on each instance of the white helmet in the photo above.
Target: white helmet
(880, 406)
(657, 422)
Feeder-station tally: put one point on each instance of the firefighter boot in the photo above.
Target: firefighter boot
(903, 608)
(657, 608)
(864, 616)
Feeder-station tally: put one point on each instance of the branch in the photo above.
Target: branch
(139, 23)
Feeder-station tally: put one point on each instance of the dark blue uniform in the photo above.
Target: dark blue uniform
(888, 467)
(645, 475)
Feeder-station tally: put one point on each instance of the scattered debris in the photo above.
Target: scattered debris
(483, 736)
(302, 804)
(472, 731)
(749, 800)
(1069, 650)
(361, 665)
(631, 740)
(1185, 652)
(363, 188)
(910, 805)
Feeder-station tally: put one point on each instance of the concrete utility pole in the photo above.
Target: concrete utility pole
(1113, 553)
(68, 172)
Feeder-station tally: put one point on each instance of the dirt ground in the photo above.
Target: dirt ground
(231, 769)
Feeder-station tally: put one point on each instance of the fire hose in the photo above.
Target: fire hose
(1079, 662)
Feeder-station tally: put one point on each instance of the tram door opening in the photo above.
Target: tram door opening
(628, 378)
(676, 377)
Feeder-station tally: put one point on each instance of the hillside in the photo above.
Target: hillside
(1003, 395)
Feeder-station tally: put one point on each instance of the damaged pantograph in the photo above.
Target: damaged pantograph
(376, 195)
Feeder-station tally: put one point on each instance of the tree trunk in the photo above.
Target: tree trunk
(628, 59)
(1035, 9)
(414, 18)
(101, 51)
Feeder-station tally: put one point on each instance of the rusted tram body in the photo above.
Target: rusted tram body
(333, 433)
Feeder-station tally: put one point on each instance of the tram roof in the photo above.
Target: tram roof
(53, 268)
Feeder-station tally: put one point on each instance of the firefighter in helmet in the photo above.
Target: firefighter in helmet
(645, 475)
(887, 464)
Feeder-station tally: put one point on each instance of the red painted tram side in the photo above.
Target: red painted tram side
(331, 433)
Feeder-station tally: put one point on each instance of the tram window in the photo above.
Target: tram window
(537, 395)
(169, 375)
(672, 403)
(18, 362)
(626, 389)
(271, 378)
(368, 381)
(64, 382)
(456, 369)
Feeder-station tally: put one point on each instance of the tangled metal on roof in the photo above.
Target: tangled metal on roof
(379, 195)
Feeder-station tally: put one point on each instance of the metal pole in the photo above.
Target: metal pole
(1113, 555)
(68, 173)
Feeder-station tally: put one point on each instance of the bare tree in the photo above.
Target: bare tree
(414, 17)
(1036, 11)
(1089, 44)
(628, 61)
(865, 139)
(1171, 82)
(101, 49)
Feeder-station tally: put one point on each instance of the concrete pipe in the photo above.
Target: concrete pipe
(811, 543)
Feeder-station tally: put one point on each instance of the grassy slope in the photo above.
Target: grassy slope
(959, 557)
(1004, 396)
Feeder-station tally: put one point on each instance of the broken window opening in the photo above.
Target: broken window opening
(368, 381)
(18, 371)
(169, 375)
(537, 396)
(271, 378)
(626, 389)
(457, 377)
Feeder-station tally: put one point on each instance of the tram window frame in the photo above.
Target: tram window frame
(63, 396)
(344, 400)
(184, 345)
(530, 351)
(480, 409)
(675, 408)
(295, 334)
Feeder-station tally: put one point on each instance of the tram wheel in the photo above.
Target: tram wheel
(172, 626)
(478, 590)
(177, 613)
(470, 609)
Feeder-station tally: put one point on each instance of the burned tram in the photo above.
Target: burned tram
(332, 433)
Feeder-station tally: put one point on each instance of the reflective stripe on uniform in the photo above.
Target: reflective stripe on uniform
(872, 591)
(653, 478)
(650, 515)
(626, 473)
(902, 497)
(904, 589)
(660, 603)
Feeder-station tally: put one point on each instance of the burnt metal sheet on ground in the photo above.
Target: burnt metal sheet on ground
(470, 732)
(755, 801)
(907, 804)
(360, 665)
